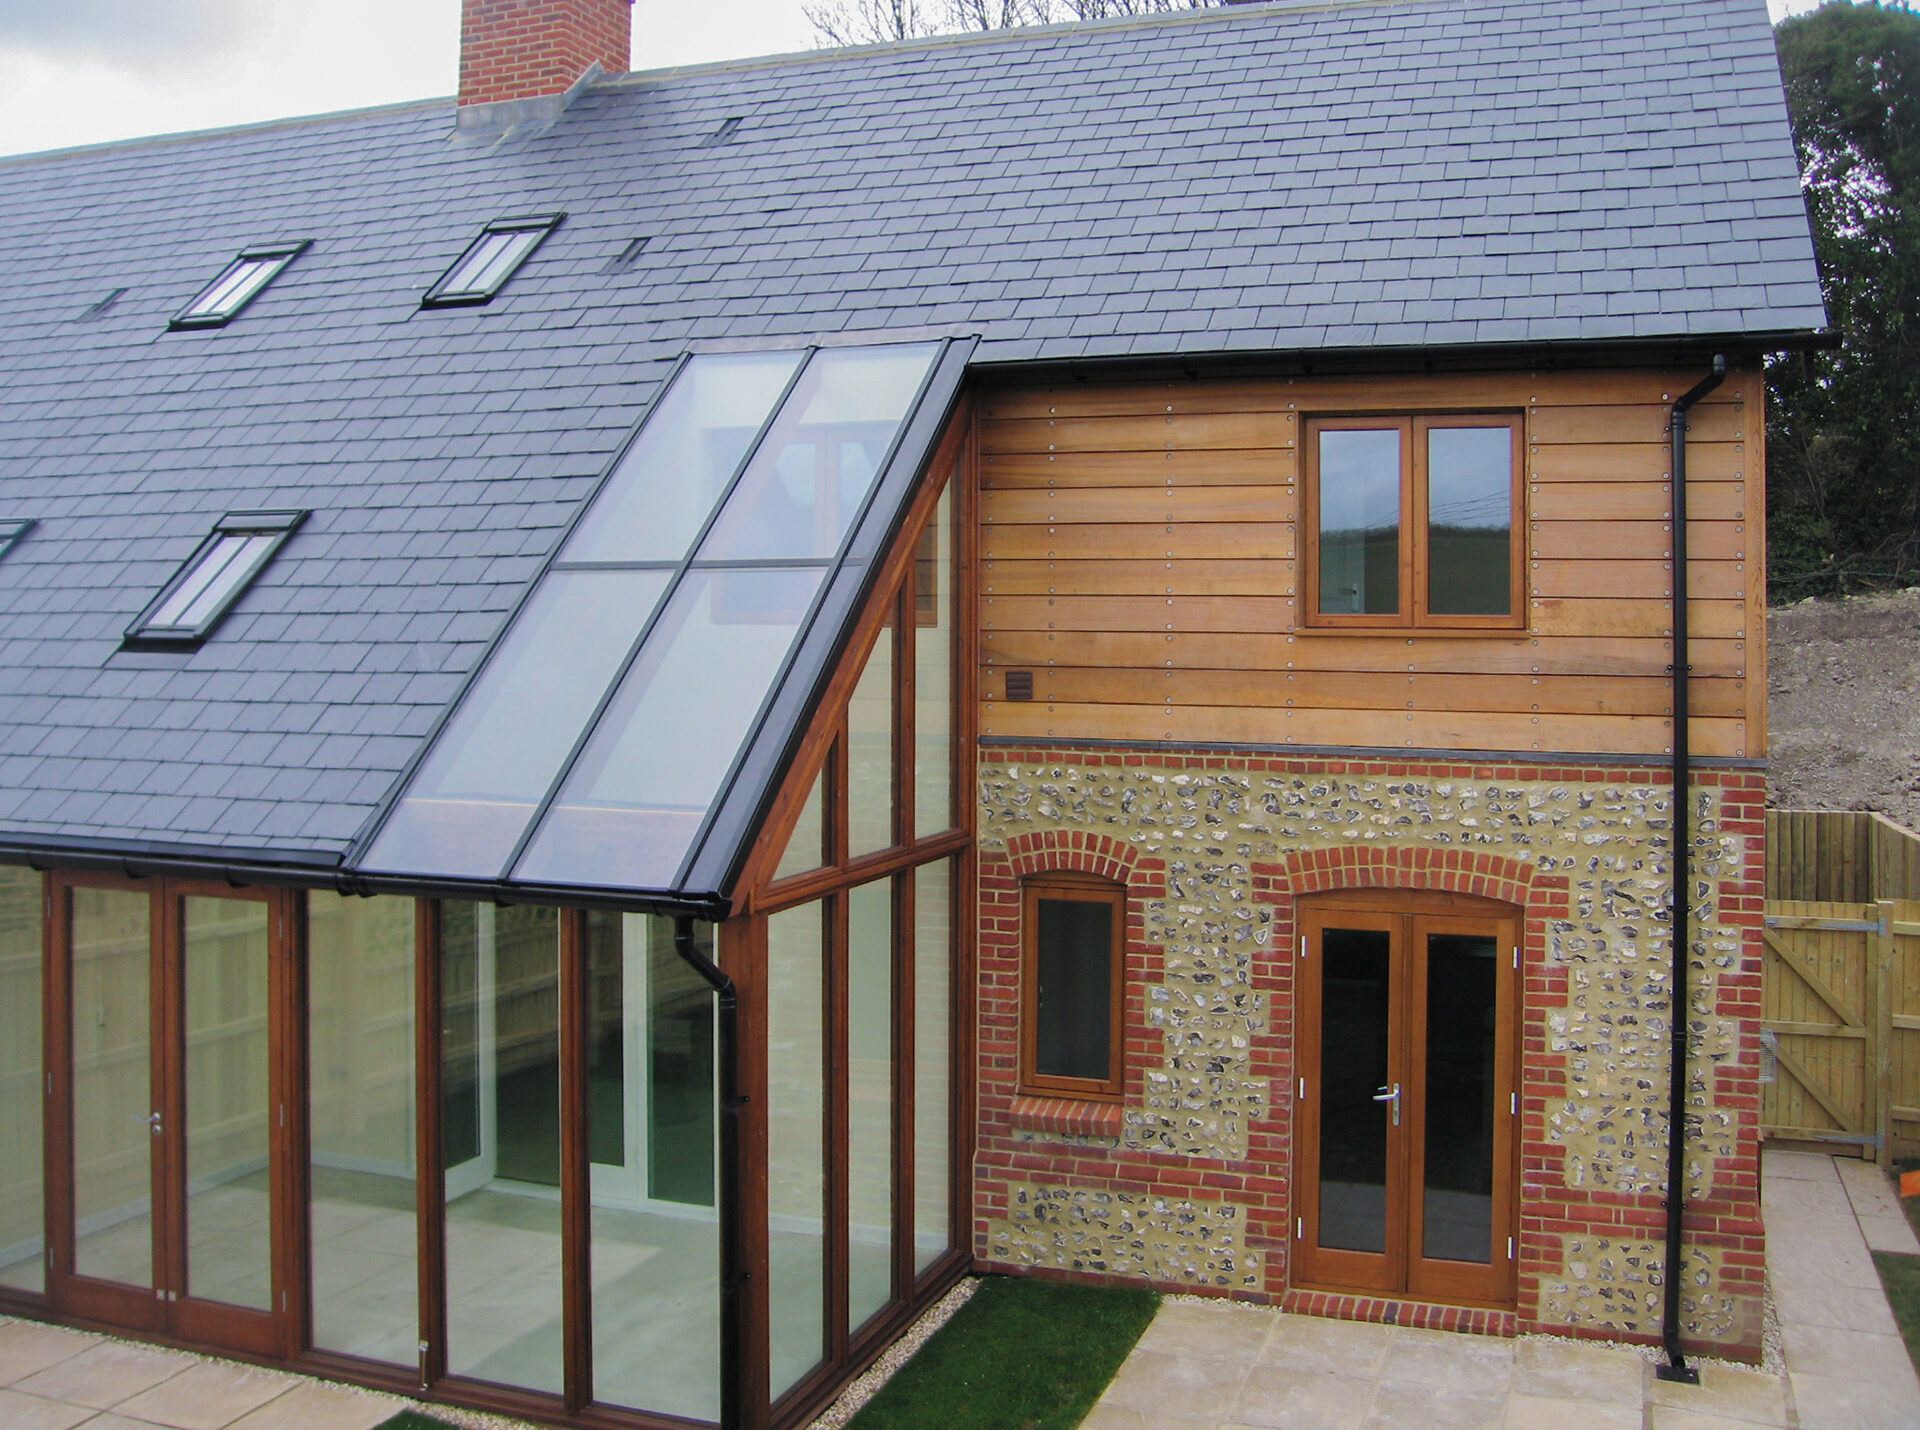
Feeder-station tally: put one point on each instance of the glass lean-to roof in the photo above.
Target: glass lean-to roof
(666, 647)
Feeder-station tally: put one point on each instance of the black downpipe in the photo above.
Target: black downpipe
(1676, 1367)
(733, 1272)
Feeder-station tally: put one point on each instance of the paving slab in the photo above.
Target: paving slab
(27, 1347)
(30, 1412)
(103, 1375)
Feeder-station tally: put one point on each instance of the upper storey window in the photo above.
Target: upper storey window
(239, 283)
(490, 260)
(1410, 521)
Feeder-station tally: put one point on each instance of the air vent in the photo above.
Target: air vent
(1019, 685)
(628, 256)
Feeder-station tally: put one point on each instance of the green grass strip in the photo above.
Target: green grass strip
(413, 1420)
(1900, 1276)
(1022, 1354)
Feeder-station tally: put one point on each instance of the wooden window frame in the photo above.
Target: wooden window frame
(1073, 888)
(1414, 540)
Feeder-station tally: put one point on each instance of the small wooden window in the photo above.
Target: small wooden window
(1070, 986)
(1414, 521)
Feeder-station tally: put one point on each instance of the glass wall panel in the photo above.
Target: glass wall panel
(796, 1141)
(870, 752)
(806, 846)
(1359, 500)
(1470, 521)
(653, 1119)
(932, 1061)
(501, 968)
(229, 1102)
(869, 1100)
(112, 1085)
(627, 815)
(472, 798)
(803, 488)
(666, 485)
(22, 1223)
(360, 1048)
(933, 616)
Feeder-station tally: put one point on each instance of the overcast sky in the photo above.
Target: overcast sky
(84, 71)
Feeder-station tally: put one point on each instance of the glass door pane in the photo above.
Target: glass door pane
(22, 1256)
(228, 1098)
(114, 1138)
(1354, 1058)
(1457, 1209)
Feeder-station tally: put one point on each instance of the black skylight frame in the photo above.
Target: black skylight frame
(266, 261)
(467, 284)
(242, 542)
(12, 531)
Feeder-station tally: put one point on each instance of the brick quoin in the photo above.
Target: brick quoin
(1014, 1146)
(522, 49)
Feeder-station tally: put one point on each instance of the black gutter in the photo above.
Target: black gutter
(1676, 1367)
(733, 1272)
(255, 873)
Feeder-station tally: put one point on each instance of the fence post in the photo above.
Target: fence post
(1880, 1031)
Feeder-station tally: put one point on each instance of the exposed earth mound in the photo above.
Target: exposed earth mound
(1845, 704)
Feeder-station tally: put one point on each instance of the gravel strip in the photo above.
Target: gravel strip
(895, 1356)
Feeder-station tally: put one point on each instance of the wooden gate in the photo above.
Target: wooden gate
(1841, 1031)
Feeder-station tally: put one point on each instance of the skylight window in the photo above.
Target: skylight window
(201, 593)
(490, 260)
(238, 285)
(11, 532)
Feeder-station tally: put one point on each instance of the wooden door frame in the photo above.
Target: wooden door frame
(165, 1307)
(1401, 1270)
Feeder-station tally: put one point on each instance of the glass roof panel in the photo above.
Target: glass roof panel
(492, 765)
(641, 790)
(666, 485)
(809, 477)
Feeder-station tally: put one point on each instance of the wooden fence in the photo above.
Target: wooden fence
(1841, 1030)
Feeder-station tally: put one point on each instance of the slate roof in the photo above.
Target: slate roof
(1442, 172)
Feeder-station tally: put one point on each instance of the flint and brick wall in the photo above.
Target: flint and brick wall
(1188, 1186)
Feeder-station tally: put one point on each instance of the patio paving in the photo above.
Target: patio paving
(1207, 1365)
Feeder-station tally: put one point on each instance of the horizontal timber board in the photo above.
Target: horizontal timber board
(1139, 434)
(1637, 462)
(1638, 540)
(1137, 613)
(1138, 578)
(1615, 734)
(1633, 501)
(1718, 580)
(1636, 422)
(1510, 655)
(1370, 690)
(1149, 504)
(1133, 541)
(1513, 391)
(1617, 616)
(1223, 468)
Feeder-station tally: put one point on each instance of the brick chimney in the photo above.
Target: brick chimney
(532, 49)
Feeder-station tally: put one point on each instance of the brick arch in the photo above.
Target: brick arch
(1372, 866)
(1053, 851)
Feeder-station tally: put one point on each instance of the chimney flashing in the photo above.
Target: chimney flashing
(504, 117)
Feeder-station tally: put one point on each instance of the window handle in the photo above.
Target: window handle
(1392, 1095)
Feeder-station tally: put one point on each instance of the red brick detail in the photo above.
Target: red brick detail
(520, 49)
(1083, 852)
(1370, 866)
(1062, 1114)
(1474, 1320)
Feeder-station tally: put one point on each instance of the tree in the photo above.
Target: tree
(866, 22)
(1843, 466)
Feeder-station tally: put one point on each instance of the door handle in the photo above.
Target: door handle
(1392, 1095)
(152, 1120)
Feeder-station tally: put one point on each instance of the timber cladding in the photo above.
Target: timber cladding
(1140, 556)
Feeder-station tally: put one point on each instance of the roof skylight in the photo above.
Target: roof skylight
(11, 532)
(704, 585)
(239, 283)
(490, 260)
(203, 590)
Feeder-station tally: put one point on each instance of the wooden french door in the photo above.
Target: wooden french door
(1405, 1162)
(167, 1157)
